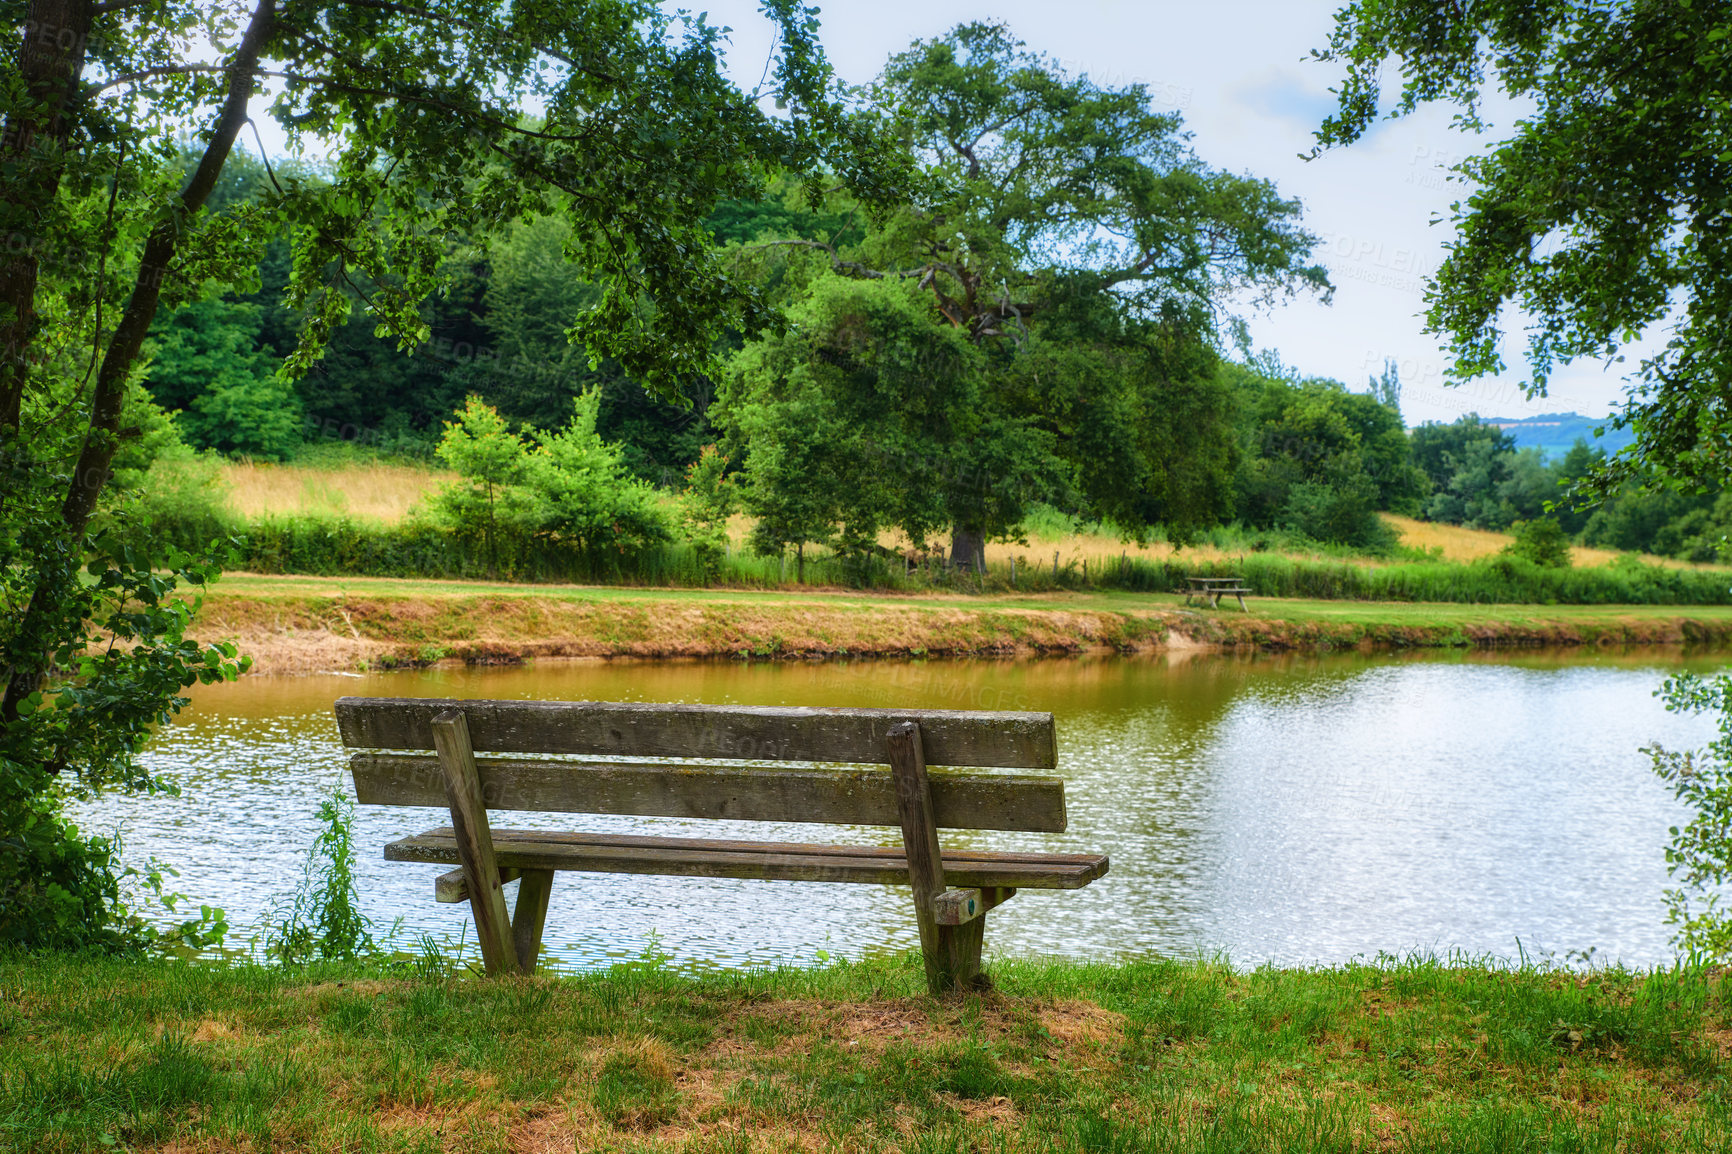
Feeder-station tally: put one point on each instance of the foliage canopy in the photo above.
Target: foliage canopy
(1602, 216)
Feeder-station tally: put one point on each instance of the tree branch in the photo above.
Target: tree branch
(145, 73)
(852, 268)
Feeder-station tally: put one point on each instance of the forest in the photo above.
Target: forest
(997, 349)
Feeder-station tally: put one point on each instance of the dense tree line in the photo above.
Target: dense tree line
(946, 363)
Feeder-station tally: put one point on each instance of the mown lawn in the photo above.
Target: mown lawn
(1156, 1056)
(245, 586)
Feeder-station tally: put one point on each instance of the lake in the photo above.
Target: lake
(1293, 810)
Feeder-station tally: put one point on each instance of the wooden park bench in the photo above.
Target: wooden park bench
(1212, 589)
(953, 889)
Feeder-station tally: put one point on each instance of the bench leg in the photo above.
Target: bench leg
(474, 842)
(951, 953)
(530, 916)
(964, 954)
(1241, 598)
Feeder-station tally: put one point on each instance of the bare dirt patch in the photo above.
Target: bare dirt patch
(997, 1111)
(548, 1131)
(1082, 1023)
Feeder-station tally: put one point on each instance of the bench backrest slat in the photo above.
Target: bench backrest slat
(613, 729)
(739, 792)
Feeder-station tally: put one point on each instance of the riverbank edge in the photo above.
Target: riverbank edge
(317, 633)
(1410, 1054)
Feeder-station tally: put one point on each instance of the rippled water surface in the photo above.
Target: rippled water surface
(1272, 809)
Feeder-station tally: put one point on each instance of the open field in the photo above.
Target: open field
(373, 492)
(385, 493)
(1462, 544)
(1144, 1056)
(294, 624)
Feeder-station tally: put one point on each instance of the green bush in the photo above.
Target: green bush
(1541, 541)
(183, 502)
(1701, 851)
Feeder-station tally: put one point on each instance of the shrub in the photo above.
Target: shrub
(322, 921)
(1701, 851)
(1342, 511)
(1541, 541)
(583, 494)
(705, 506)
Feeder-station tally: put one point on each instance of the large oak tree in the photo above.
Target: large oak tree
(1065, 228)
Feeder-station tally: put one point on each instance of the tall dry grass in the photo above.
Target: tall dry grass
(372, 492)
(384, 494)
(1460, 543)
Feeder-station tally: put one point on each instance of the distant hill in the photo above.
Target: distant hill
(1554, 433)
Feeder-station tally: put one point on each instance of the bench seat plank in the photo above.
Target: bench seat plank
(755, 733)
(736, 792)
(770, 861)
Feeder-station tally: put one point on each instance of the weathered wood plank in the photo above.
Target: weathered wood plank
(472, 842)
(956, 907)
(965, 944)
(772, 861)
(757, 733)
(449, 887)
(530, 916)
(953, 907)
(925, 859)
(738, 792)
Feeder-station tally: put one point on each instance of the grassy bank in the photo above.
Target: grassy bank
(1060, 1057)
(310, 624)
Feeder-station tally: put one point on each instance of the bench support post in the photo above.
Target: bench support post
(475, 844)
(530, 916)
(951, 952)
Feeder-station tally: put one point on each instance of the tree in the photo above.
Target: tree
(492, 462)
(708, 500)
(1317, 459)
(1437, 447)
(533, 372)
(447, 119)
(864, 416)
(205, 362)
(1064, 211)
(1601, 217)
(583, 493)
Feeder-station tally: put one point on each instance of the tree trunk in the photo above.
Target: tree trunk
(103, 438)
(50, 66)
(967, 549)
(800, 563)
(100, 444)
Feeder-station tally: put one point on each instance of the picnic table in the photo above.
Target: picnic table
(1212, 589)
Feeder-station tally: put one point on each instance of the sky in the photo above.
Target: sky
(1238, 72)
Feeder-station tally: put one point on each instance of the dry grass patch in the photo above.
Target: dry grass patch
(373, 492)
(1460, 543)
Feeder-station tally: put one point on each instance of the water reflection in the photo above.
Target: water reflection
(1286, 809)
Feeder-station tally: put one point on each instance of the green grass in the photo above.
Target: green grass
(1146, 1056)
(1297, 609)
